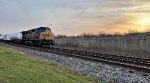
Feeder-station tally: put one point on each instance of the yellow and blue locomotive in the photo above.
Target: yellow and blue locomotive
(39, 36)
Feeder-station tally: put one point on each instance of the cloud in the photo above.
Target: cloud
(126, 22)
(80, 15)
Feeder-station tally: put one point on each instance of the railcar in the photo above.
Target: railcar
(16, 37)
(1, 38)
(6, 37)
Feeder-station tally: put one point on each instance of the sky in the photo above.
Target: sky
(73, 17)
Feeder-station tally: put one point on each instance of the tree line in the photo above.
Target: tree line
(102, 34)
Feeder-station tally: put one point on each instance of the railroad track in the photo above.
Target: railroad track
(129, 62)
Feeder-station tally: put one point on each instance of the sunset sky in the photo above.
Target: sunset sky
(74, 17)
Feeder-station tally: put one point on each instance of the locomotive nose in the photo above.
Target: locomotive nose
(47, 37)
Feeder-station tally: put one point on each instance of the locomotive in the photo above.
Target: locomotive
(39, 36)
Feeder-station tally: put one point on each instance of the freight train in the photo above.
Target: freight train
(39, 36)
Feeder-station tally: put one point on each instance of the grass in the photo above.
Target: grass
(18, 68)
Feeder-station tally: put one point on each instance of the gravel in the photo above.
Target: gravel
(95, 69)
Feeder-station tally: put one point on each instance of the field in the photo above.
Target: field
(16, 67)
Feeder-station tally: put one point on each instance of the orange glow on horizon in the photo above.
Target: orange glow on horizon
(139, 23)
(143, 23)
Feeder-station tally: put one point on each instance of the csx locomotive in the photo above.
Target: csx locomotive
(38, 36)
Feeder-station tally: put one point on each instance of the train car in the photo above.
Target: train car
(39, 36)
(1, 38)
(6, 37)
(13, 37)
(16, 37)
